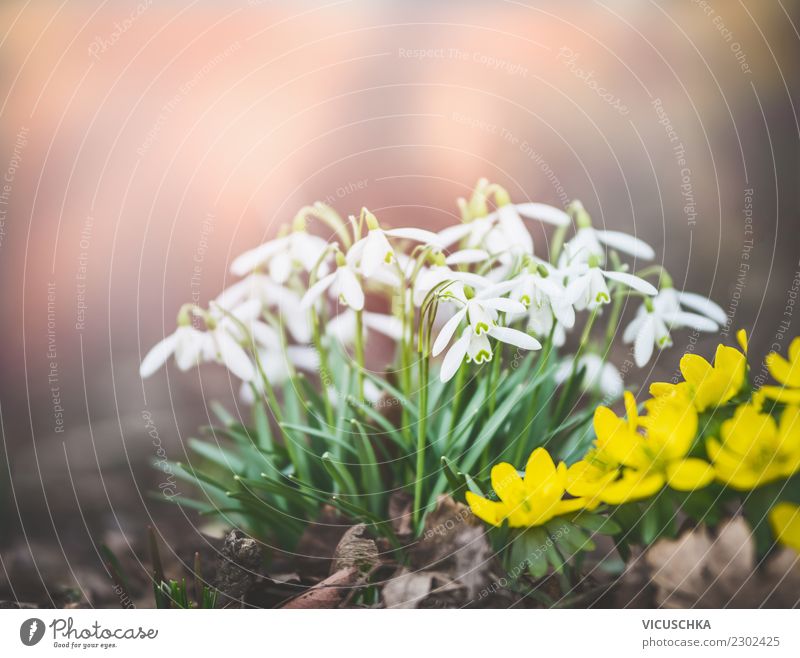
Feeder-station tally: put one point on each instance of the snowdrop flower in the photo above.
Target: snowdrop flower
(655, 318)
(588, 241)
(280, 256)
(375, 250)
(343, 283)
(588, 288)
(545, 298)
(277, 366)
(271, 295)
(343, 327)
(598, 376)
(430, 277)
(219, 343)
(480, 311)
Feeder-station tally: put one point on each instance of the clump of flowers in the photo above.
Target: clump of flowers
(500, 351)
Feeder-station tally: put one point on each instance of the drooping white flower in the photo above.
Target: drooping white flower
(271, 295)
(343, 284)
(480, 311)
(342, 328)
(220, 343)
(588, 288)
(375, 250)
(599, 375)
(277, 365)
(279, 256)
(590, 243)
(653, 322)
(540, 289)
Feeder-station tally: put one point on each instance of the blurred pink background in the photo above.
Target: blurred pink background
(142, 139)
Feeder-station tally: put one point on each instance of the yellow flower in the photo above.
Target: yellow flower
(709, 385)
(787, 372)
(527, 502)
(627, 465)
(755, 449)
(785, 521)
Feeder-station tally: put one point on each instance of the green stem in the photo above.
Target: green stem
(424, 364)
(324, 369)
(360, 353)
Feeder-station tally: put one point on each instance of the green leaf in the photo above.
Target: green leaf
(490, 428)
(264, 437)
(600, 524)
(341, 476)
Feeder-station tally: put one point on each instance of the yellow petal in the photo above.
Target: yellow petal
(574, 505)
(695, 368)
(507, 484)
(657, 389)
(586, 479)
(741, 338)
(794, 350)
(615, 440)
(689, 474)
(540, 469)
(785, 521)
(633, 485)
(786, 372)
(490, 511)
(631, 410)
(781, 394)
(671, 426)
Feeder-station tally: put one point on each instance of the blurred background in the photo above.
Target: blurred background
(144, 144)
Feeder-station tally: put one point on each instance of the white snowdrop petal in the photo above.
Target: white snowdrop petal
(449, 328)
(190, 346)
(632, 330)
(543, 213)
(453, 234)
(691, 320)
(704, 306)
(467, 257)
(611, 383)
(627, 243)
(157, 356)
(350, 288)
(316, 291)
(302, 357)
(280, 266)
(416, 234)
(254, 258)
(515, 337)
(388, 325)
(504, 305)
(644, 342)
(234, 357)
(454, 358)
(632, 281)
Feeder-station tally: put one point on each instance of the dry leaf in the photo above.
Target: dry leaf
(702, 570)
(330, 593)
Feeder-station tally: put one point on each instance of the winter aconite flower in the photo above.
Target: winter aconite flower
(755, 449)
(785, 521)
(644, 453)
(708, 385)
(787, 372)
(526, 501)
